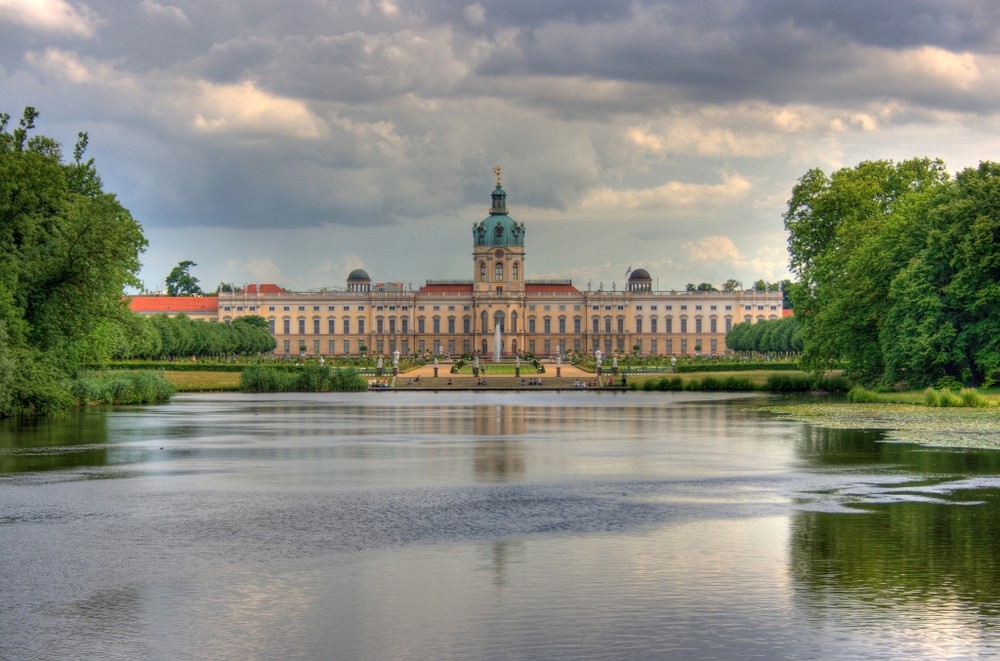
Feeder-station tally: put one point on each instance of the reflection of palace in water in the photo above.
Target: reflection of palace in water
(493, 441)
(503, 455)
(461, 316)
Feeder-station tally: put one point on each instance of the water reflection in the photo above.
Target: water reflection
(913, 535)
(902, 553)
(501, 456)
(74, 440)
(831, 448)
(931, 570)
(499, 556)
(489, 526)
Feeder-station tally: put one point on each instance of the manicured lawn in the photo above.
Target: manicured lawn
(203, 381)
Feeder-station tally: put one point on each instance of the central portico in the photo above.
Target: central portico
(498, 274)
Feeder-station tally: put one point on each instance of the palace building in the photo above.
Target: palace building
(462, 316)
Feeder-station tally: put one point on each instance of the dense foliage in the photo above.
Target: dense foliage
(782, 383)
(166, 337)
(899, 271)
(67, 251)
(180, 282)
(121, 387)
(769, 336)
(308, 378)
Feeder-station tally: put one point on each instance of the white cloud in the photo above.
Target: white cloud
(60, 64)
(938, 66)
(712, 248)
(388, 8)
(235, 109)
(669, 196)
(865, 121)
(475, 14)
(55, 16)
(747, 130)
(244, 109)
(171, 13)
(717, 258)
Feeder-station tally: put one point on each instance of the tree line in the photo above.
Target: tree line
(67, 251)
(770, 336)
(163, 337)
(898, 271)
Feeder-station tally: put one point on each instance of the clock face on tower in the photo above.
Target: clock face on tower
(498, 254)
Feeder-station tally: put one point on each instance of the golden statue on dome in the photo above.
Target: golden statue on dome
(497, 170)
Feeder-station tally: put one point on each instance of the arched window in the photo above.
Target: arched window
(499, 272)
(482, 271)
(483, 321)
(514, 271)
(513, 315)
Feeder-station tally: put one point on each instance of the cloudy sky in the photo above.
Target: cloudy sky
(291, 142)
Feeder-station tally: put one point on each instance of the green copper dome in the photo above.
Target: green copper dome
(499, 229)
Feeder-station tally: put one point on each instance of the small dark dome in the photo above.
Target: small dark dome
(358, 274)
(640, 274)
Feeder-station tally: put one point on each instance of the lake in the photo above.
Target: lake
(461, 525)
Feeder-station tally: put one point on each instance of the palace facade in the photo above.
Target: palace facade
(461, 316)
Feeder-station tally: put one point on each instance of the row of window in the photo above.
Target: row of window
(651, 346)
(596, 327)
(451, 308)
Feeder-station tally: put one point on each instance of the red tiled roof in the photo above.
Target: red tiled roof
(263, 288)
(174, 304)
(446, 289)
(542, 288)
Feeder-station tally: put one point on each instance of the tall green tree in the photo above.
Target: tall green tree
(67, 251)
(770, 335)
(899, 269)
(849, 235)
(944, 315)
(974, 290)
(161, 336)
(180, 282)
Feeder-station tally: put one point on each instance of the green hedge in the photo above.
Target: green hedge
(120, 387)
(188, 366)
(775, 383)
(309, 378)
(735, 366)
(179, 366)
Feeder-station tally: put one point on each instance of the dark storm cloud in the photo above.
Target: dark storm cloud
(722, 52)
(382, 114)
(956, 25)
(353, 68)
(518, 13)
